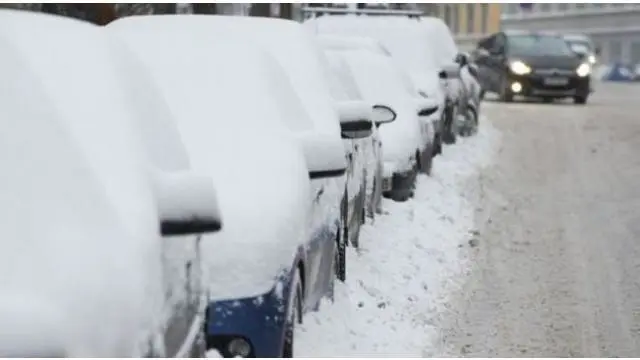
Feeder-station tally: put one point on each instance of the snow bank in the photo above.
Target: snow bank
(410, 261)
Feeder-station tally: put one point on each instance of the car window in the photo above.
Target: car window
(535, 44)
(295, 117)
(342, 75)
(375, 76)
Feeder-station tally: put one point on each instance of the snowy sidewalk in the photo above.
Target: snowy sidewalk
(409, 261)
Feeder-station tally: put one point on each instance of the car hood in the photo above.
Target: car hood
(564, 62)
(79, 225)
(400, 138)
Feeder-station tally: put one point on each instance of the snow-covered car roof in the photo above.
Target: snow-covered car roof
(297, 51)
(79, 224)
(440, 39)
(404, 38)
(379, 81)
(345, 42)
(231, 101)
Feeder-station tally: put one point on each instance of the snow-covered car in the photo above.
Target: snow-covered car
(407, 141)
(457, 74)
(369, 150)
(237, 111)
(101, 229)
(299, 53)
(407, 42)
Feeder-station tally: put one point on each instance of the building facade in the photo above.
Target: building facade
(468, 22)
(614, 28)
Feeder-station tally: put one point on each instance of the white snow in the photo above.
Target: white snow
(379, 82)
(236, 133)
(79, 247)
(409, 262)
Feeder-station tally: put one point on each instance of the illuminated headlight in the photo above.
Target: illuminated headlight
(583, 70)
(592, 59)
(519, 68)
(239, 347)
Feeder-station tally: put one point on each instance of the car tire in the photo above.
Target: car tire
(425, 160)
(580, 100)
(448, 136)
(437, 145)
(294, 315)
(342, 238)
(471, 126)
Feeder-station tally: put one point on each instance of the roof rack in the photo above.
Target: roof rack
(314, 11)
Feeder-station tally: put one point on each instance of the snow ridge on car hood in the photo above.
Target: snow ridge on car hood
(79, 227)
(220, 94)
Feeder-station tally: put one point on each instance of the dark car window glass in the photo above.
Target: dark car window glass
(538, 45)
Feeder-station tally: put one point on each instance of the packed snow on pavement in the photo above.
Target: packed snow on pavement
(409, 261)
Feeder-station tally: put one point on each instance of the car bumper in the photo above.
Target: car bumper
(258, 320)
(536, 85)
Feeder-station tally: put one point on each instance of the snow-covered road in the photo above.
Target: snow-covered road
(556, 272)
(410, 260)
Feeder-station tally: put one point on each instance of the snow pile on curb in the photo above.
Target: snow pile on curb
(408, 264)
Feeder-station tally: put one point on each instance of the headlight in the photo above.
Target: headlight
(592, 59)
(239, 347)
(583, 70)
(519, 68)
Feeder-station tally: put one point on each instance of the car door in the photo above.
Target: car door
(181, 261)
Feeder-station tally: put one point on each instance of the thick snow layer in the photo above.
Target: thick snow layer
(225, 101)
(79, 245)
(380, 82)
(404, 38)
(398, 282)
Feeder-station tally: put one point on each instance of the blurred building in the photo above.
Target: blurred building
(468, 22)
(615, 28)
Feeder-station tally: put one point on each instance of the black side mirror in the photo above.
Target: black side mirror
(497, 51)
(187, 204)
(461, 59)
(442, 75)
(382, 114)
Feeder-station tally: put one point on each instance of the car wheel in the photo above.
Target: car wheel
(425, 160)
(471, 124)
(437, 145)
(580, 100)
(294, 316)
(342, 238)
(448, 136)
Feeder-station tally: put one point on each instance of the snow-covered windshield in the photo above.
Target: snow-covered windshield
(533, 44)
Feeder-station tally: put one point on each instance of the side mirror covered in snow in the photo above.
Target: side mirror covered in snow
(187, 204)
(382, 114)
(325, 156)
(355, 119)
(450, 72)
(426, 107)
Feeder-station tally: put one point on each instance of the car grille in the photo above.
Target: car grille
(554, 72)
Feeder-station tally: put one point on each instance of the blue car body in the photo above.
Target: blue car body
(261, 320)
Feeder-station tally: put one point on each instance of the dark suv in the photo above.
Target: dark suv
(529, 64)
